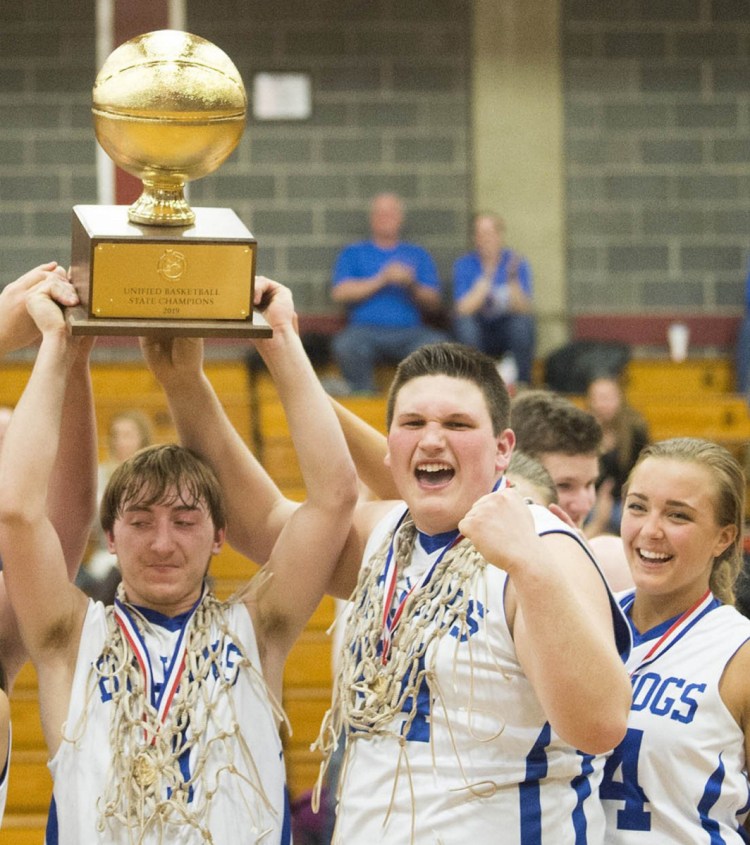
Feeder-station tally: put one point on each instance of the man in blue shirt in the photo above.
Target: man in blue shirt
(493, 297)
(386, 285)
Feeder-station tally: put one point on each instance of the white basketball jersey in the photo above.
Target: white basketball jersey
(4, 779)
(248, 806)
(679, 776)
(479, 764)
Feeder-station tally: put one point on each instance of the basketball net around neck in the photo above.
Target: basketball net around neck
(147, 792)
(368, 692)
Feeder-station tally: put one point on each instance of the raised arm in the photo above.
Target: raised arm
(312, 539)
(71, 499)
(519, 287)
(351, 291)
(256, 508)
(72, 493)
(559, 613)
(368, 448)
(475, 296)
(48, 608)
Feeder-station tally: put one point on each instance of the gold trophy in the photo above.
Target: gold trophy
(168, 107)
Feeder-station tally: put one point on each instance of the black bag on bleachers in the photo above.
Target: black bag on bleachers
(570, 368)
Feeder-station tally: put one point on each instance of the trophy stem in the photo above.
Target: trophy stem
(161, 205)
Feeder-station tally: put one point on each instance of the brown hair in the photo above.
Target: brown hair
(629, 427)
(545, 422)
(457, 361)
(729, 504)
(529, 469)
(155, 474)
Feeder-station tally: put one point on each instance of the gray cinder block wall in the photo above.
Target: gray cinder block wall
(657, 110)
(391, 109)
(657, 138)
(47, 148)
(390, 112)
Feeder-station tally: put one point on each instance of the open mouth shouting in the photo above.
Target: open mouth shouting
(434, 474)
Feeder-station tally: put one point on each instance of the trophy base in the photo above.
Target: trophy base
(180, 281)
(81, 324)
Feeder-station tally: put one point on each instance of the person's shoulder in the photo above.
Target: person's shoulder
(379, 515)
(610, 555)
(466, 259)
(730, 614)
(633, 415)
(414, 248)
(547, 522)
(513, 258)
(374, 520)
(734, 686)
(234, 609)
(95, 619)
(355, 246)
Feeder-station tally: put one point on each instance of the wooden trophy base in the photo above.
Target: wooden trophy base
(137, 281)
(81, 324)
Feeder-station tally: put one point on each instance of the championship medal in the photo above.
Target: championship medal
(144, 770)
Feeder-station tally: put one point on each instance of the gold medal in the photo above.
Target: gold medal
(144, 770)
(379, 685)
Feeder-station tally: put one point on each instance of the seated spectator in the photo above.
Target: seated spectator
(492, 295)
(624, 434)
(386, 284)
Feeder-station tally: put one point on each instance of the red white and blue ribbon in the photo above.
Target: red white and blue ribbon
(676, 630)
(161, 700)
(390, 571)
(390, 574)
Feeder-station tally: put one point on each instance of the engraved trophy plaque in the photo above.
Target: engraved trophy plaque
(168, 107)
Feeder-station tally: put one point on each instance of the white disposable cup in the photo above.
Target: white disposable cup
(678, 338)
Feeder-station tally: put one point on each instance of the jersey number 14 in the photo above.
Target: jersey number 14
(620, 783)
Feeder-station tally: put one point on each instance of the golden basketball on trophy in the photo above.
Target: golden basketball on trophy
(168, 107)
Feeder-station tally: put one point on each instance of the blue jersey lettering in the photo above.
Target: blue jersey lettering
(620, 783)
(663, 704)
(671, 696)
(463, 631)
(685, 698)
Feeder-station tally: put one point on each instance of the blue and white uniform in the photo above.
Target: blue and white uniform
(4, 779)
(680, 774)
(250, 806)
(480, 763)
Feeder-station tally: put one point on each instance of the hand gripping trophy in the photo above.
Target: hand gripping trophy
(168, 107)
